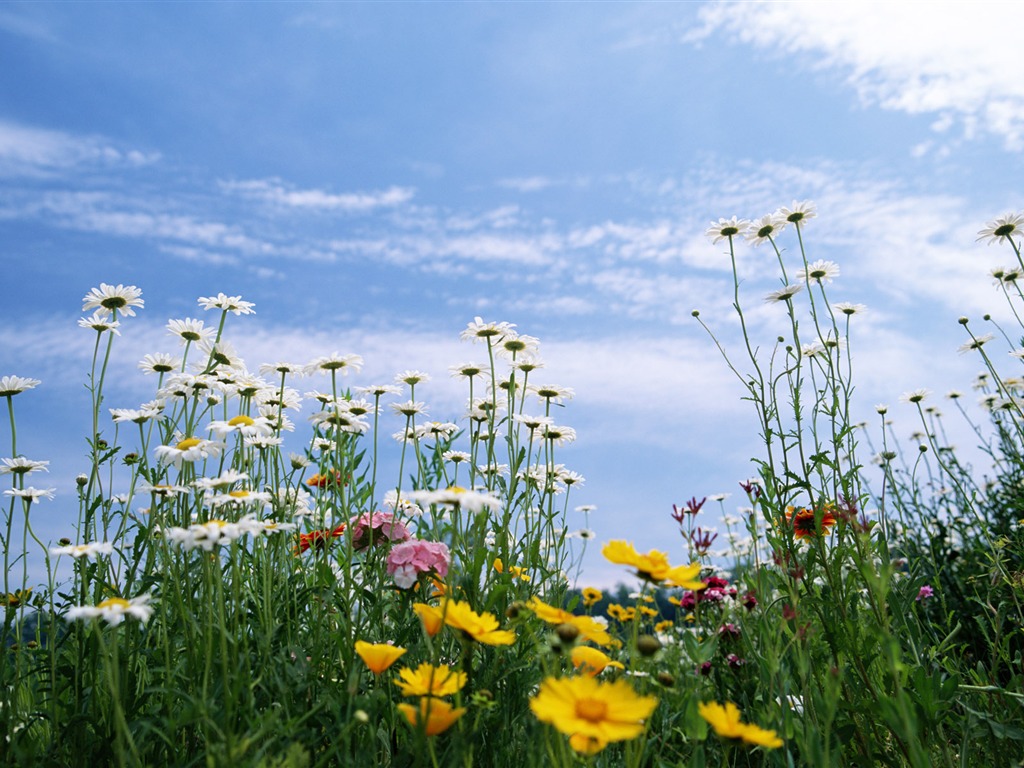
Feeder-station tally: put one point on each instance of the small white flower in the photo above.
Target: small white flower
(1002, 228)
(552, 394)
(762, 230)
(797, 213)
(32, 494)
(820, 271)
(460, 498)
(113, 298)
(228, 304)
(850, 309)
(243, 425)
(559, 435)
(976, 343)
(100, 321)
(14, 385)
(726, 229)
(469, 370)
(19, 465)
(914, 396)
(785, 293)
(412, 378)
(191, 330)
(335, 362)
(410, 408)
(478, 330)
(379, 390)
(84, 550)
(189, 449)
(113, 610)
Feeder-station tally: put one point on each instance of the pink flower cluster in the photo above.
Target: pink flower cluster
(408, 560)
(370, 529)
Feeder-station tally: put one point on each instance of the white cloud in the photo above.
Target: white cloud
(277, 193)
(28, 151)
(947, 58)
(122, 217)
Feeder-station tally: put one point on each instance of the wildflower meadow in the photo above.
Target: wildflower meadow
(243, 587)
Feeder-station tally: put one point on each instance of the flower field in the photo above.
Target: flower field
(248, 590)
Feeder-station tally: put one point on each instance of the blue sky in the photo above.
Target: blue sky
(374, 175)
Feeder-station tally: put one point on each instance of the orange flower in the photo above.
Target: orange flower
(378, 657)
(322, 481)
(318, 539)
(805, 524)
(433, 715)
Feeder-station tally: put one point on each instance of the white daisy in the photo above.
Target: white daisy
(14, 385)
(228, 304)
(1002, 228)
(785, 293)
(761, 230)
(84, 550)
(191, 330)
(726, 229)
(113, 298)
(32, 494)
(159, 363)
(821, 272)
(188, 449)
(797, 213)
(335, 362)
(113, 610)
(100, 321)
(478, 330)
(19, 465)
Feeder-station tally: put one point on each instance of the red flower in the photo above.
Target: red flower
(318, 539)
(804, 522)
(322, 481)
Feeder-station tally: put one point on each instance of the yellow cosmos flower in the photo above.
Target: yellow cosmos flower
(653, 566)
(430, 616)
(482, 627)
(378, 657)
(590, 661)
(589, 628)
(428, 680)
(725, 720)
(618, 612)
(590, 712)
(433, 715)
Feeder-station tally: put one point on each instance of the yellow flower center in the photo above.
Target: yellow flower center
(190, 442)
(240, 494)
(591, 710)
(114, 602)
(241, 421)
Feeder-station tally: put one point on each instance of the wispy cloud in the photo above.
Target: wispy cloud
(954, 60)
(277, 193)
(23, 26)
(29, 151)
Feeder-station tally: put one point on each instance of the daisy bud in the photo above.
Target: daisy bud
(81, 480)
(923, 448)
(986, 317)
(963, 320)
(666, 680)
(567, 633)
(695, 313)
(648, 645)
(65, 542)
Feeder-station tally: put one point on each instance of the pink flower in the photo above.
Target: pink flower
(924, 593)
(408, 560)
(369, 529)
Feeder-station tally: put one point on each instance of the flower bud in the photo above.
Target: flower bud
(648, 645)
